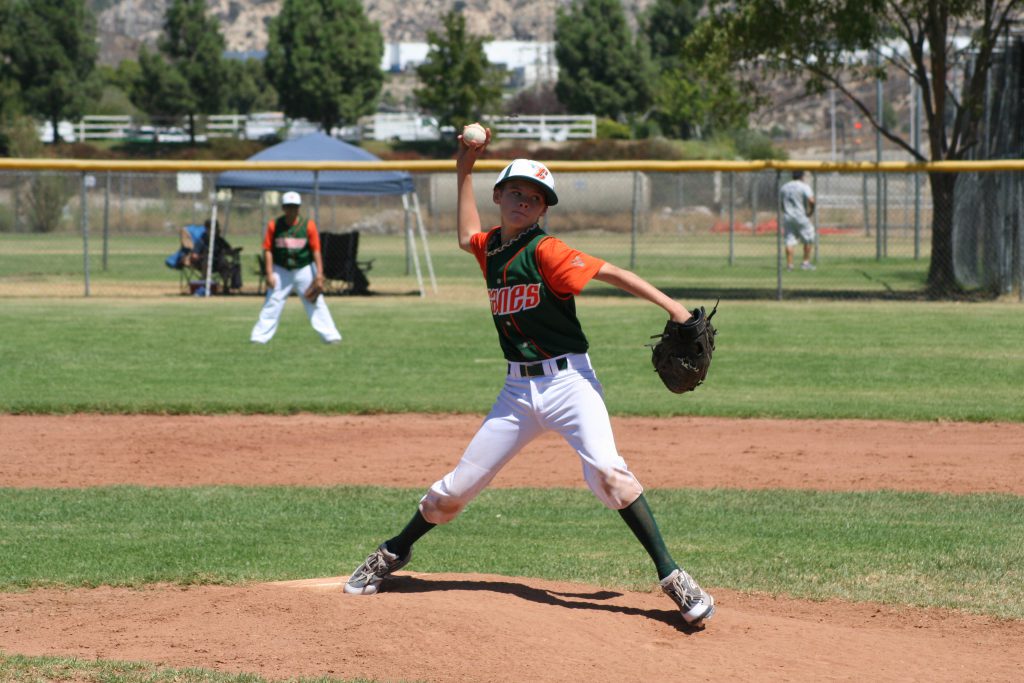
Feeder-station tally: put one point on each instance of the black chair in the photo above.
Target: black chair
(339, 252)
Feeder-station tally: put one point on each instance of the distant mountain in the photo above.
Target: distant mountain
(125, 25)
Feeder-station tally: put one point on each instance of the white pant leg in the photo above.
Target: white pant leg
(317, 312)
(572, 404)
(509, 426)
(266, 325)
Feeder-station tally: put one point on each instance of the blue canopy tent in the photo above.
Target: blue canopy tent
(313, 183)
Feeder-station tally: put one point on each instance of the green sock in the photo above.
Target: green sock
(413, 531)
(640, 519)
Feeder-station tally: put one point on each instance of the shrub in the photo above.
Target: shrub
(752, 144)
(45, 199)
(607, 129)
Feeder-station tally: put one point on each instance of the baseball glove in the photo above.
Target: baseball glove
(313, 291)
(682, 354)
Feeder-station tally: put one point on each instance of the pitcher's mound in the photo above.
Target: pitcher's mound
(462, 627)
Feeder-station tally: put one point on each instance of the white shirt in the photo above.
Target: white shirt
(795, 197)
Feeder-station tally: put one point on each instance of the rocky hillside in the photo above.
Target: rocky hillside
(124, 25)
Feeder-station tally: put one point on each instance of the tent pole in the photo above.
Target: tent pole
(423, 237)
(226, 223)
(211, 241)
(316, 198)
(406, 212)
(263, 212)
(410, 239)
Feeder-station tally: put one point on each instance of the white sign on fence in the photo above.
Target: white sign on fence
(190, 183)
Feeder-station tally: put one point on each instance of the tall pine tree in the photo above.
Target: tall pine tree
(50, 52)
(602, 69)
(459, 84)
(692, 96)
(193, 45)
(324, 59)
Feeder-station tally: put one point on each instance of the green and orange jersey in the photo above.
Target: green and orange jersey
(531, 286)
(292, 246)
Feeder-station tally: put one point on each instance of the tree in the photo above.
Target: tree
(667, 24)
(324, 59)
(602, 69)
(50, 51)
(9, 95)
(833, 44)
(688, 99)
(193, 45)
(159, 89)
(246, 88)
(459, 84)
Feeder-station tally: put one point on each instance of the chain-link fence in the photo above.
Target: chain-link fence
(707, 232)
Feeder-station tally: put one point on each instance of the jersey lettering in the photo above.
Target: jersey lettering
(509, 300)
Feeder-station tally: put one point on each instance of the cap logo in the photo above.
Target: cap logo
(541, 173)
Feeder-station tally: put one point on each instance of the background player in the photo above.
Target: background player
(797, 202)
(532, 280)
(291, 249)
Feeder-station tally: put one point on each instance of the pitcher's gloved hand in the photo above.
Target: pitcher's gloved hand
(682, 354)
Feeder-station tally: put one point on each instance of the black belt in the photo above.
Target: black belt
(538, 369)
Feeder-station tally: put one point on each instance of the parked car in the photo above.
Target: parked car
(140, 134)
(176, 134)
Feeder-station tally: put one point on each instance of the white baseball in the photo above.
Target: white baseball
(474, 134)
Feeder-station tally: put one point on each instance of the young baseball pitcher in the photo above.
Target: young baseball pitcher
(532, 279)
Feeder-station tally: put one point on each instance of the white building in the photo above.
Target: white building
(529, 62)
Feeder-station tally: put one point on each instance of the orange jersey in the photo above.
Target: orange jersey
(566, 271)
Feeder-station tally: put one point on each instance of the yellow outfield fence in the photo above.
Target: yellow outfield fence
(440, 166)
(695, 228)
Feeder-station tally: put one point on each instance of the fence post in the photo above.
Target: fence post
(84, 211)
(917, 216)
(755, 187)
(814, 216)
(864, 195)
(884, 229)
(106, 221)
(778, 239)
(16, 227)
(120, 199)
(878, 159)
(732, 223)
(635, 226)
(1020, 235)
(917, 176)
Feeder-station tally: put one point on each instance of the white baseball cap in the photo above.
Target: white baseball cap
(291, 198)
(535, 172)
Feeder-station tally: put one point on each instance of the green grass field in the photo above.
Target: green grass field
(905, 548)
(439, 354)
(53, 265)
(808, 358)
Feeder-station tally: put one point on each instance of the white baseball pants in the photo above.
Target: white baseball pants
(569, 401)
(287, 281)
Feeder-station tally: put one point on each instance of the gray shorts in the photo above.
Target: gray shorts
(798, 231)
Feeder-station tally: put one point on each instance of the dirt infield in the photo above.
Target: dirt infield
(444, 627)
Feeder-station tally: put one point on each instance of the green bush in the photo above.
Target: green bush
(6, 218)
(47, 195)
(607, 129)
(753, 144)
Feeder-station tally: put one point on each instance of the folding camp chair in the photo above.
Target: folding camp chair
(344, 273)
